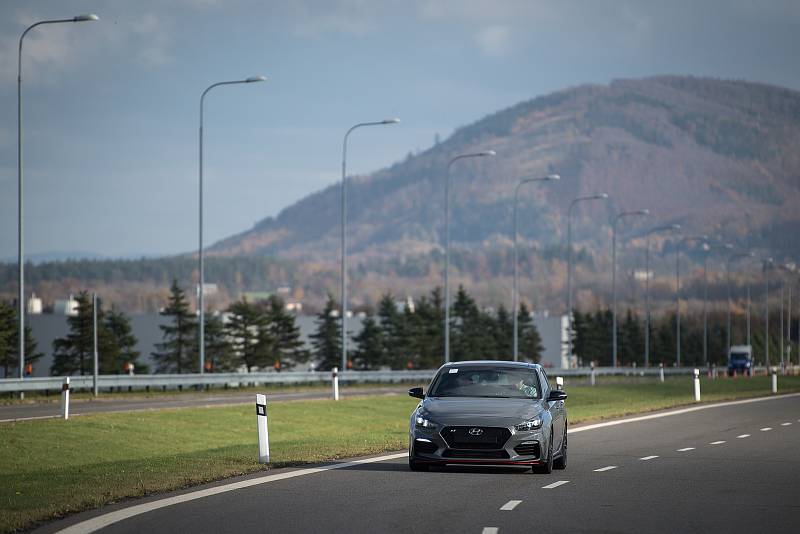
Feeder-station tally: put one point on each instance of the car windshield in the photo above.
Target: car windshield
(493, 382)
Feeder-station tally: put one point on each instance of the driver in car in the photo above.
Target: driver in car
(526, 386)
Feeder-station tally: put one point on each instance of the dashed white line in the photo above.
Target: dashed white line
(685, 449)
(720, 442)
(510, 505)
(743, 436)
(606, 468)
(766, 429)
(555, 484)
(785, 424)
(649, 457)
(490, 530)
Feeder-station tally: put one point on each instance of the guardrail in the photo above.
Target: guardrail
(172, 381)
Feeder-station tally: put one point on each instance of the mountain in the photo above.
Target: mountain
(718, 157)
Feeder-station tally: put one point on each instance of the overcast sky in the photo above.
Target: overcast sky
(111, 107)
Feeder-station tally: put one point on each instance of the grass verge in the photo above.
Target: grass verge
(51, 468)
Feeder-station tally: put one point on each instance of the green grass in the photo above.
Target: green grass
(53, 467)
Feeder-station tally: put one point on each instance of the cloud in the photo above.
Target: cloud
(494, 40)
(353, 17)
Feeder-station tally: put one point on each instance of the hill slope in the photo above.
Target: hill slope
(720, 157)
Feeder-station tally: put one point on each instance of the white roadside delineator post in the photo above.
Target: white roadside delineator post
(697, 385)
(774, 380)
(335, 379)
(65, 398)
(661, 372)
(263, 430)
(591, 375)
(560, 383)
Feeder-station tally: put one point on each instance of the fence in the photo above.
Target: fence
(172, 381)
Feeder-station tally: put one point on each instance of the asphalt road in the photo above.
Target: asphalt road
(43, 410)
(730, 468)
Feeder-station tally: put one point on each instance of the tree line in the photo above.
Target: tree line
(593, 342)
(413, 338)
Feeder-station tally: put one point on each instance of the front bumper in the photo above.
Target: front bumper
(509, 447)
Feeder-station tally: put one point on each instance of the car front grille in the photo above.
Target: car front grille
(475, 437)
(528, 448)
(482, 454)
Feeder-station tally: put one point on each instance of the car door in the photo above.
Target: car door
(556, 409)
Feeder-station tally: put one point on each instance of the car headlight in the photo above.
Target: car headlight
(533, 424)
(421, 422)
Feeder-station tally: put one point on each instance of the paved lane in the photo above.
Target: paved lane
(657, 475)
(16, 412)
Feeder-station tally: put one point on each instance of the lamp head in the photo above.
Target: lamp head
(91, 17)
(601, 195)
(552, 177)
(487, 153)
(395, 120)
(253, 79)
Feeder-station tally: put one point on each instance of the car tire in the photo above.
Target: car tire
(417, 466)
(546, 467)
(561, 462)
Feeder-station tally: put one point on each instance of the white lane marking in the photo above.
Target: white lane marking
(785, 424)
(766, 429)
(510, 505)
(606, 468)
(490, 530)
(743, 436)
(720, 442)
(685, 449)
(649, 457)
(96, 523)
(677, 412)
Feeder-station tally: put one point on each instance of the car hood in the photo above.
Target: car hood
(479, 411)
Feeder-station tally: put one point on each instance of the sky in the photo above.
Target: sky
(111, 107)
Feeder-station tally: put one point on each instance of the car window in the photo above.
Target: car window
(497, 382)
(545, 382)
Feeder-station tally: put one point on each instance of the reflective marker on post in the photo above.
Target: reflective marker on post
(697, 385)
(65, 398)
(774, 380)
(263, 431)
(335, 379)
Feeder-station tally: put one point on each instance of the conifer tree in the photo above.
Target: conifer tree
(289, 348)
(326, 341)
(369, 345)
(503, 330)
(219, 355)
(249, 335)
(530, 342)
(391, 324)
(178, 351)
(9, 341)
(116, 342)
(75, 352)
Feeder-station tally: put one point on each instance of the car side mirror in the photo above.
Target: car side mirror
(556, 395)
(416, 393)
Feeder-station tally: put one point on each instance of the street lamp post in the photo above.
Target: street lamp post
(619, 216)
(201, 341)
(767, 264)
(731, 259)
(672, 227)
(344, 229)
(515, 291)
(20, 197)
(484, 153)
(678, 293)
(598, 196)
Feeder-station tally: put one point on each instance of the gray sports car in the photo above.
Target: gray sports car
(489, 413)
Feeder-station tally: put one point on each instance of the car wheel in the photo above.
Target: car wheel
(415, 465)
(561, 461)
(546, 467)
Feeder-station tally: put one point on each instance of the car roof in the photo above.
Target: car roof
(493, 363)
